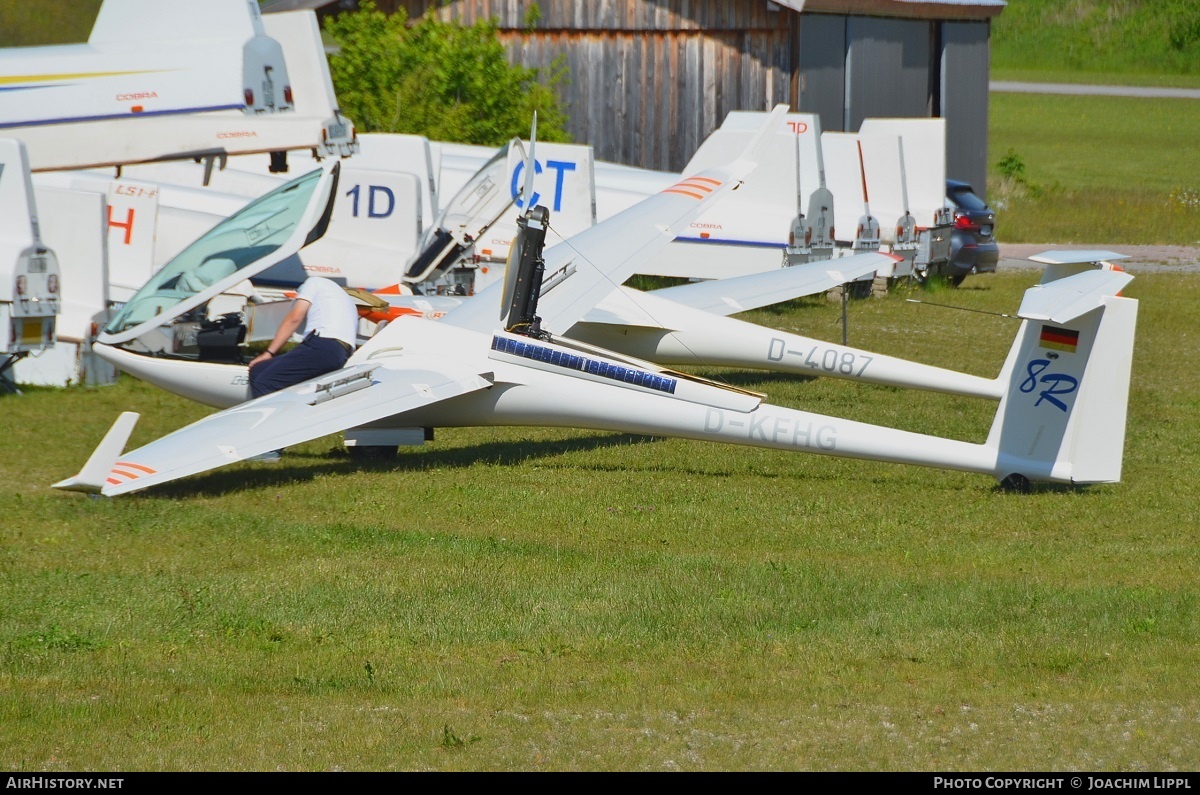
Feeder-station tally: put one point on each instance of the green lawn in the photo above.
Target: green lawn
(533, 599)
(25, 23)
(1096, 169)
(516, 599)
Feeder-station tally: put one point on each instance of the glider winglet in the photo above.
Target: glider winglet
(1075, 257)
(94, 475)
(1066, 262)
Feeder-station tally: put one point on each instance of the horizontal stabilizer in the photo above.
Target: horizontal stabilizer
(1075, 257)
(743, 293)
(95, 473)
(1065, 299)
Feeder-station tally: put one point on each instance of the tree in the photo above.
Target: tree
(443, 80)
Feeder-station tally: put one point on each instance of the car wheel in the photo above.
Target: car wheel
(957, 279)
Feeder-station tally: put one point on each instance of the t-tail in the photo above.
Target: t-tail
(1063, 416)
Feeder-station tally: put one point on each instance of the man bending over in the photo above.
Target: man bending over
(328, 318)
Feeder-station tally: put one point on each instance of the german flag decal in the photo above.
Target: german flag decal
(1060, 339)
(696, 187)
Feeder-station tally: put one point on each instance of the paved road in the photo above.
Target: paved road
(1141, 259)
(1078, 88)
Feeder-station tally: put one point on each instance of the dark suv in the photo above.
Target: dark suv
(973, 246)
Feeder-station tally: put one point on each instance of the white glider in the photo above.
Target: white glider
(1060, 419)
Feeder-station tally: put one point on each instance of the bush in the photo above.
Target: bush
(1184, 33)
(1011, 166)
(1013, 184)
(443, 80)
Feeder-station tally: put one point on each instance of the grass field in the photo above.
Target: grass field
(509, 599)
(1128, 42)
(1095, 169)
(531, 599)
(35, 22)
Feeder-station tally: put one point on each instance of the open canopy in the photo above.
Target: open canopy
(263, 233)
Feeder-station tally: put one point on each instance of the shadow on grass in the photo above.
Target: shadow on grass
(1080, 489)
(301, 467)
(753, 380)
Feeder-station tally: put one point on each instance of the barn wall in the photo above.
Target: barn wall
(602, 15)
(651, 100)
(822, 69)
(889, 69)
(964, 100)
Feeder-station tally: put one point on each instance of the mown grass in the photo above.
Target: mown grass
(1111, 169)
(1086, 169)
(41, 22)
(1098, 41)
(532, 599)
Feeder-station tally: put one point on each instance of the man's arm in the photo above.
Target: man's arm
(291, 322)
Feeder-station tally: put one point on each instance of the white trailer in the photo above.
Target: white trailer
(163, 79)
(30, 283)
(157, 80)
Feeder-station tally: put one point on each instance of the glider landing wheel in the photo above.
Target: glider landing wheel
(360, 452)
(1017, 484)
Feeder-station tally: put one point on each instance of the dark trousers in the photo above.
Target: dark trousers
(313, 357)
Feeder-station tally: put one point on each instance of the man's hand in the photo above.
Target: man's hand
(292, 321)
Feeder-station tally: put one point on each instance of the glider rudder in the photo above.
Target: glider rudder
(1062, 418)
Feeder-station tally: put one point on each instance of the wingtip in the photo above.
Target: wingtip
(77, 483)
(94, 475)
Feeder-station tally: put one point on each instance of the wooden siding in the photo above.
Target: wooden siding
(603, 15)
(651, 100)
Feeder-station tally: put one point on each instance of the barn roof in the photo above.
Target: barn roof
(921, 9)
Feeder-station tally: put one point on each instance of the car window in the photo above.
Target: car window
(967, 200)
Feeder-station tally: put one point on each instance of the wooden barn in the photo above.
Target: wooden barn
(648, 80)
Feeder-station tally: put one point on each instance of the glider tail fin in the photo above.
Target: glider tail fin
(1062, 418)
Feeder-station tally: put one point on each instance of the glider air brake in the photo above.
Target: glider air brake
(489, 361)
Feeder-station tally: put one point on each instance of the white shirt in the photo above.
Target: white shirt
(331, 311)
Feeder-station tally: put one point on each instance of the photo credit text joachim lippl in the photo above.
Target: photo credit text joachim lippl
(1082, 783)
